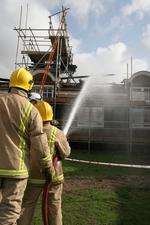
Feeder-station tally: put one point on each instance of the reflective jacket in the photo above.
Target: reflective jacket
(21, 128)
(59, 146)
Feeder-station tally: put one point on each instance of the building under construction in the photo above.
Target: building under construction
(118, 117)
(48, 55)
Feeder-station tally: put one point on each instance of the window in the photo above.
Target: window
(116, 113)
(140, 117)
(47, 93)
(115, 116)
(140, 94)
(90, 117)
(96, 117)
(83, 117)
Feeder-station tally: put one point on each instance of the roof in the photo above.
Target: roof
(138, 74)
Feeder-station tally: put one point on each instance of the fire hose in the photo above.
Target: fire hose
(45, 197)
(45, 205)
(109, 164)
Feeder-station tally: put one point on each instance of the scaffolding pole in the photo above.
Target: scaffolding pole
(18, 41)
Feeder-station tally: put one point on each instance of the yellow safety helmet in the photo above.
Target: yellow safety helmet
(21, 78)
(45, 110)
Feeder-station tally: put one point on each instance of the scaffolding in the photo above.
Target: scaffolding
(46, 52)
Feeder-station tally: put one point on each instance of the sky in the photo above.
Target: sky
(104, 33)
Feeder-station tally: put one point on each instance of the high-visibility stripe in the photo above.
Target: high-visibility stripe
(56, 178)
(22, 170)
(41, 181)
(51, 145)
(36, 181)
(13, 172)
(52, 140)
(22, 128)
(47, 158)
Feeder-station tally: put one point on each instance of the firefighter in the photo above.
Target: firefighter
(21, 128)
(58, 146)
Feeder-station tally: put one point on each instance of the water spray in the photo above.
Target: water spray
(76, 106)
(85, 90)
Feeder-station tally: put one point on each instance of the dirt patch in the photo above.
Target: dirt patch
(91, 183)
(105, 183)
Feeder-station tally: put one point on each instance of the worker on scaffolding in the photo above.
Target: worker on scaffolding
(59, 147)
(34, 97)
(21, 128)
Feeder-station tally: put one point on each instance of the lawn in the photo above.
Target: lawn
(96, 195)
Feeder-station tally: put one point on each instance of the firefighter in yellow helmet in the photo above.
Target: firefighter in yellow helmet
(21, 128)
(58, 145)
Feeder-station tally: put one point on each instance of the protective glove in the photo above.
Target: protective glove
(58, 176)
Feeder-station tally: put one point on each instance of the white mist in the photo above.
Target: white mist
(76, 105)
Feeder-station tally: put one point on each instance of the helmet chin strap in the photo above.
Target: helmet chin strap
(31, 83)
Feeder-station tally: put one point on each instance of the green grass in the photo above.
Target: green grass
(90, 206)
(113, 156)
(81, 170)
(97, 195)
(134, 205)
(125, 206)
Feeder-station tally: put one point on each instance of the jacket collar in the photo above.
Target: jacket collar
(47, 125)
(19, 92)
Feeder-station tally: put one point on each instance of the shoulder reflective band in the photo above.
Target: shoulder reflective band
(52, 140)
(22, 128)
